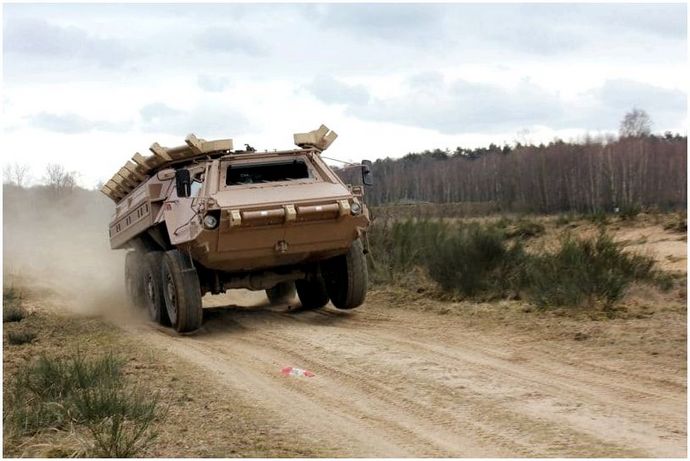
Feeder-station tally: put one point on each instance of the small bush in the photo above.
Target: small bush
(564, 220)
(679, 223)
(398, 246)
(124, 430)
(597, 217)
(664, 280)
(584, 270)
(59, 379)
(472, 260)
(629, 212)
(13, 314)
(17, 338)
(12, 310)
(503, 223)
(55, 393)
(10, 295)
(525, 229)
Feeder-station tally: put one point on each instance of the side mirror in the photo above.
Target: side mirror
(367, 178)
(183, 182)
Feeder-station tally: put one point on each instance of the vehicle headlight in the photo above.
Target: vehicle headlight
(210, 222)
(355, 208)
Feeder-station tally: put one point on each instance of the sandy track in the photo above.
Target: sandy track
(394, 382)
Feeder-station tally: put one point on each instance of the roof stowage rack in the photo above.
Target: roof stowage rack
(137, 170)
(140, 168)
(319, 139)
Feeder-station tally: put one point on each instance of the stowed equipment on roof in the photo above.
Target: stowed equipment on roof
(140, 168)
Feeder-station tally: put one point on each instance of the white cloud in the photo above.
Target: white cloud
(37, 38)
(460, 106)
(330, 90)
(213, 83)
(227, 40)
(213, 120)
(389, 78)
(72, 123)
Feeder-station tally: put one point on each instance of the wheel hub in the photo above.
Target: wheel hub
(170, 287)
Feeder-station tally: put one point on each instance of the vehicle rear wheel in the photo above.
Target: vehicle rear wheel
(134, 279)
(312, 292)
(181, 291)
(153, 287)
(281, 293)
(347, 277)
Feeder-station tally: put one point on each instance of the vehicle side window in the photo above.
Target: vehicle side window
(197, 182)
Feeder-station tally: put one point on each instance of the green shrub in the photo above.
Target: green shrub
(564, 219)
(398, 246)
(118, 421)
(17, 338)
(55, 393)
(10, 295)
(476, 260)
(12, 310)
(629, 212)
(597, 217)
(58, 379)
(13, 314)
(472, 260)
(664, 280)
(503, 223)
(525, 229)
(678, 223)
(584, 270)
(122, 437)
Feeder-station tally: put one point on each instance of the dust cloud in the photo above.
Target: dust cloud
(57, 244)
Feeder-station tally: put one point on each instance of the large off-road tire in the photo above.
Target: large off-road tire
(153, 287)
(281, 293)
(347, 277)
(134, 279)
(312, 292)
(181, 291)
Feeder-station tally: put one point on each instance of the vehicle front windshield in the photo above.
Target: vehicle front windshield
(266, 172)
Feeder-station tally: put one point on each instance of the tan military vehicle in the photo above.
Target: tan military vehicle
(204, 218)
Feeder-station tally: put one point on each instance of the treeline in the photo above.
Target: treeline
(591, 176)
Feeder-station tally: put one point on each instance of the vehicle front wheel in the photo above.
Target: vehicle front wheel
(347, 277)
(312, 292)
(153, 287)
(181, 292)
(281, 293)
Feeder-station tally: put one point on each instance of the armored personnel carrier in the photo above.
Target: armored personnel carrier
(204, 218)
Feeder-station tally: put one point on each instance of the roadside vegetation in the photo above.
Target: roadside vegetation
(79, 386)
(85, 397)
(82, 394)
(496, 259)
(12, 310)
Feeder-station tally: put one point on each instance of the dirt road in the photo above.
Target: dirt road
(399, 382)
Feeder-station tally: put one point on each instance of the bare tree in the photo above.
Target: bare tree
(599, 174)
(15, 174)
(59, 179)
(7, 174)
(636, 124)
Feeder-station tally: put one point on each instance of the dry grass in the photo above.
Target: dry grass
(202, 419)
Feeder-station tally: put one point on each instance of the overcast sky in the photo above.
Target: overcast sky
(89, 85)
